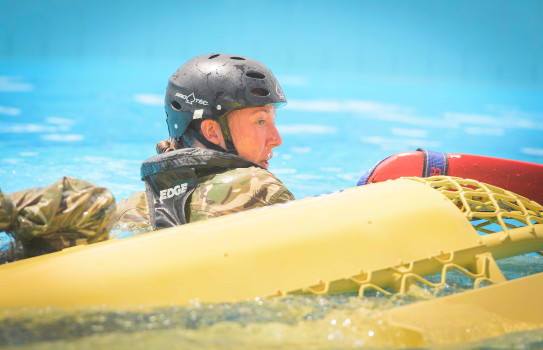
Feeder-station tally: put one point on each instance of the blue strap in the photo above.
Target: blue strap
(364, 179)
(435, 163)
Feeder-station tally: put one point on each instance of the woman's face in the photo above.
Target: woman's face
(254, 133)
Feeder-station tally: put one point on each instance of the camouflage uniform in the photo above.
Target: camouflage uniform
(228, 192)
(194, 184)
(236, 190)
(218, 192)
(133, 213)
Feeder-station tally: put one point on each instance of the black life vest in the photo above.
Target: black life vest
(170, 178)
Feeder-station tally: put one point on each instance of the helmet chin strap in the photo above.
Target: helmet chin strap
(227, 135)
(230, 148)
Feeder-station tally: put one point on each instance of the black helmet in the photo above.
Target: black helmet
(209, 86)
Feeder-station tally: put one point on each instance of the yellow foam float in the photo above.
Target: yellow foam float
(386, 237)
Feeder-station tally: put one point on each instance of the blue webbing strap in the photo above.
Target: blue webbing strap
(435, 163)
(368, 174)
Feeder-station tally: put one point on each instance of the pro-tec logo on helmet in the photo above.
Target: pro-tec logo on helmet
(173, 191)
(191, 98)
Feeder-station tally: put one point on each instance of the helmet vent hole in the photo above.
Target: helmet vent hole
(175, 105)
(237, 58)
(260, 92)
(213, 56)
(255, 75)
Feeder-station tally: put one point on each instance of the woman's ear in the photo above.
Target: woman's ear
(211, 130)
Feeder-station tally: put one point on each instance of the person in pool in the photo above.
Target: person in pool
(220, 112)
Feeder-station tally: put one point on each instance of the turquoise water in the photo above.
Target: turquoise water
(96, 120)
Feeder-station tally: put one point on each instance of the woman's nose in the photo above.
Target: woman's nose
(275, 138)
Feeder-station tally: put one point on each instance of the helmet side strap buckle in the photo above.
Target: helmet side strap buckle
(198, 114)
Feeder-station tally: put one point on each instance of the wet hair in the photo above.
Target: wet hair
(185, 141)
(167, 145)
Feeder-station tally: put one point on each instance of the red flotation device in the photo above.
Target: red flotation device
(516, 176)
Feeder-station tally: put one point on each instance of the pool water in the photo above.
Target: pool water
(97, 121)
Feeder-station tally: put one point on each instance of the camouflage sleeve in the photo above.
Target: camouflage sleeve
(236, 190)
(67, 213)
(133, 214)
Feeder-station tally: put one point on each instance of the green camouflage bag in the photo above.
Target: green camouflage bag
(67, 213)
(8, 213)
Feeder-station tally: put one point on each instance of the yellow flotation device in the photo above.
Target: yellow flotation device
(386, 237)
